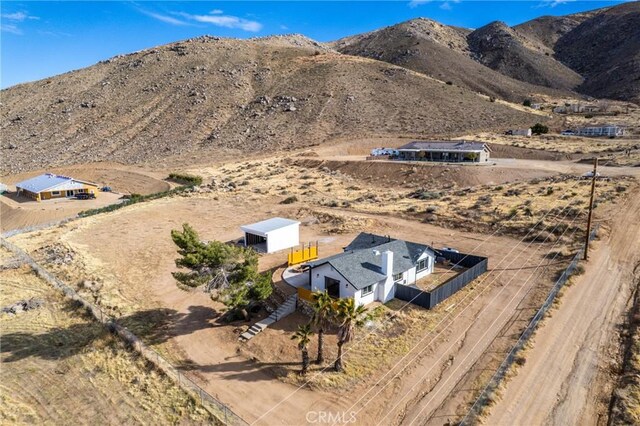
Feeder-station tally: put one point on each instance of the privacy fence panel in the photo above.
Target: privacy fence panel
(429, 299)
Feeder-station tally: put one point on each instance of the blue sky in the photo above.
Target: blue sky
(40, 39)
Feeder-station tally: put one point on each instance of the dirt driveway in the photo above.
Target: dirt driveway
(567, 375)
(135, 264)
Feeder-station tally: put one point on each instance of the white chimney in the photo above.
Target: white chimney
(387, 263)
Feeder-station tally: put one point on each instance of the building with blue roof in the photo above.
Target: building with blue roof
(50, 186)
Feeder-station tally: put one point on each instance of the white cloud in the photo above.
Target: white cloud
(10, 21)
(163, 18)
(416, 3)
(446, 6)
(216, 12)
(226, 21)
(18, 16)
(10, 28)
(553, 3)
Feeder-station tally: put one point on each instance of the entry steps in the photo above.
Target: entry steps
(288, 307)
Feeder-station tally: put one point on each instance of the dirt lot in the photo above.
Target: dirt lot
(579, 343)
(130, 253)
(59, 366)
(134, 266)
(19, 212)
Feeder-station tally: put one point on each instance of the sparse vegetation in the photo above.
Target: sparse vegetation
(186, 179)
(539, 129)
(231, 272)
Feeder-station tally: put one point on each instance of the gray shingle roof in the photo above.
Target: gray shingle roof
(361, 267)
(462, 146)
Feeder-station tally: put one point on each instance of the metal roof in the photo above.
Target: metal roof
(361, 267)
(462, 146)
(49, 181)
(269, 225)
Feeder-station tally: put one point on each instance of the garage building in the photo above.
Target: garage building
(272, 234)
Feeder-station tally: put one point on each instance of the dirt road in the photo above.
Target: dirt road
(566, 370)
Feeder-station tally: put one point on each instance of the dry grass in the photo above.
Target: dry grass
(514, 206)
(59, 367)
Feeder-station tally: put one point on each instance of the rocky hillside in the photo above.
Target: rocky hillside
(440, 51)
(206, 97)
(503, 49)
(595, 53)
(605, 49)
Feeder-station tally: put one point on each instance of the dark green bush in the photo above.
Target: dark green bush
(289, 200)
(186, 179)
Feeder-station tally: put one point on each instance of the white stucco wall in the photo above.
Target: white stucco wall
(317, 280)
(283, 238)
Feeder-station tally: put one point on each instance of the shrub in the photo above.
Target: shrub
(427, 195)
(527, 102)
(289, 200)
(133, 199)
(538, 129)
(186, 179)
(449, 83)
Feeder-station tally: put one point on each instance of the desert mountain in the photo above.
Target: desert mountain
(596, 53)
(206, 97)
(605, 50)
(502, 49)
(440, 51)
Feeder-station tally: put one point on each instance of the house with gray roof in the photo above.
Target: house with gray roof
(445, 151)
(370, 267)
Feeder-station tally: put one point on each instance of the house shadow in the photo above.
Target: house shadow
(153, 326)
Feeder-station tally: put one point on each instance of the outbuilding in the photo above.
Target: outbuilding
(272, 235)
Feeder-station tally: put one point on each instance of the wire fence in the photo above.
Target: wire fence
(488, 394)
(218, 409)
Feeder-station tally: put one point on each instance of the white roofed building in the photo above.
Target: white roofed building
(272, 235)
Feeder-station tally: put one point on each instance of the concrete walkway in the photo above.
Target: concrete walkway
(295, 278)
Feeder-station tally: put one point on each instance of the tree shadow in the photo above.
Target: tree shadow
(153, 326)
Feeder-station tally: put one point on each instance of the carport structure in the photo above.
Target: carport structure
(272, 234)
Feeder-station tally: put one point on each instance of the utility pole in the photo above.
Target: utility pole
(593, 190)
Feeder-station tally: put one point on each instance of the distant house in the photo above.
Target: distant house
(590, 108)
(445, 151)
(601, 131)
(272, 234)
(519, 132)
(370, 267)
(49, 186)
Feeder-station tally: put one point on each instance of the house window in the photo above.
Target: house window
(55, 192)
(367, 290)
(397, 277)
(423, 264)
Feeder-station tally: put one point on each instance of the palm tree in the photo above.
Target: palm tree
(349, 317)
(322, 313)
(303, 336)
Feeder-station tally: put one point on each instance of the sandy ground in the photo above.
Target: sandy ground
(135, 262)
(131, 253)
(61, 367)
(19, 212)
(562, 380)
